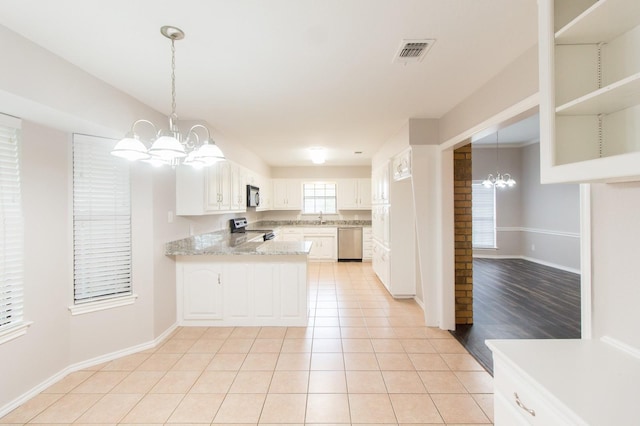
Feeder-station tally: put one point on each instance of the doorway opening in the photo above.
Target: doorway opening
(525, 282)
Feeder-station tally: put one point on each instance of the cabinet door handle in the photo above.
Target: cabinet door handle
(219, 282)
(524, 407)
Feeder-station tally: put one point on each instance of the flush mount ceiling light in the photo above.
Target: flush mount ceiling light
(500, 180)
(169, 146)
(318, 155)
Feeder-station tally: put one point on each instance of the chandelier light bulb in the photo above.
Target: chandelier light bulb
(130, 148)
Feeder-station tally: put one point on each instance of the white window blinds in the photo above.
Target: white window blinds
(319, 197)
(11, 227)
(101, 221)
(483, 209)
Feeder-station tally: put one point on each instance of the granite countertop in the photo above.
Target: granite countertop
(222, 243)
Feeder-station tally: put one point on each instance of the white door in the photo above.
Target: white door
(201, 292)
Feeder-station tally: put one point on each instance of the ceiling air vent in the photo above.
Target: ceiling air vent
(413, 50)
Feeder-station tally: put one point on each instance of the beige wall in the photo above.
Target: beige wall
(65, 339)
(55, 99)
(47, 272)
(490, 104)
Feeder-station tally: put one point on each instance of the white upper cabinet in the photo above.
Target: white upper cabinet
(238, 185)
(354, 194)
(220, 188)
(589, 90)
(287, 194)
(380, 184)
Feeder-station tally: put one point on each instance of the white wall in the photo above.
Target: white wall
(394, 145)
(614, 244)
(321, 172)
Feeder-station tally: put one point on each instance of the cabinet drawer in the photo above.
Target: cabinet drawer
(319, 231)
(517, 397)
(292, 230)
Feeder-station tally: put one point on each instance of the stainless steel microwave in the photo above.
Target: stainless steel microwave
(253, 196)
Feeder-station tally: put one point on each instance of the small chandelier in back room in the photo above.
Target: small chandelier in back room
(169, 146)
(500, 180)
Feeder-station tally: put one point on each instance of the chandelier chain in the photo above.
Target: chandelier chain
(173, 79)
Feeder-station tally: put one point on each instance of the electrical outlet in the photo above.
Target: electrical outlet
(533, 247)
(170, 216)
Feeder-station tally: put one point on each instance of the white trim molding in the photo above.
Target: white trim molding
(6, 409)
(586, 301)
(14, 331)
(620, 345)
(538, 231)
(100, 305)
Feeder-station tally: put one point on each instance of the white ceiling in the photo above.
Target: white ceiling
(523, 132)
(280, 76)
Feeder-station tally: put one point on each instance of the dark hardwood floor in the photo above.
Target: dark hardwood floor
(518, 299)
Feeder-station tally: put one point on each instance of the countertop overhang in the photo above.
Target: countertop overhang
(221, 243)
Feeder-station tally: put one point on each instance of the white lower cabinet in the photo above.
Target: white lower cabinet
(367, 243)
(575, 382)
(236, 291)
(323, 248)
(290, 234)
(381, 263)
(324, 245)
(231, 292)
(201, 296)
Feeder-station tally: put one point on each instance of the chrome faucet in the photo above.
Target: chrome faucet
(321, 218)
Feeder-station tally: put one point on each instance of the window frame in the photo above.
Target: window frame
(17, 326)
(492, 245)
(317, 198)
(117, 299)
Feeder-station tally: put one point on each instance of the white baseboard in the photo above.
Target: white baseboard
(419, 302)
(7, 408)
(530, 259)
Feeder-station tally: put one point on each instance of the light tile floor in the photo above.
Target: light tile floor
(365, 358)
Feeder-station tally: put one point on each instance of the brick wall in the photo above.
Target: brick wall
(463, 237)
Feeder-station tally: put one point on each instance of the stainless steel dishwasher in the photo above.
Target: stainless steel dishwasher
(349, 244)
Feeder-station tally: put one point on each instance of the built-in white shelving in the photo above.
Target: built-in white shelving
(620, 95)
(590, 90)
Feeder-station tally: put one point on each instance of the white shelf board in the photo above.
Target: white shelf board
(603, 21)
(616, 168)
(615, 97)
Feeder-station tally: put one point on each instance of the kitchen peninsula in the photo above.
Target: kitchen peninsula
(225, 279)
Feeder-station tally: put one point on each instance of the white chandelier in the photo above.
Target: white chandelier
(500, 180)
(169, 146)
